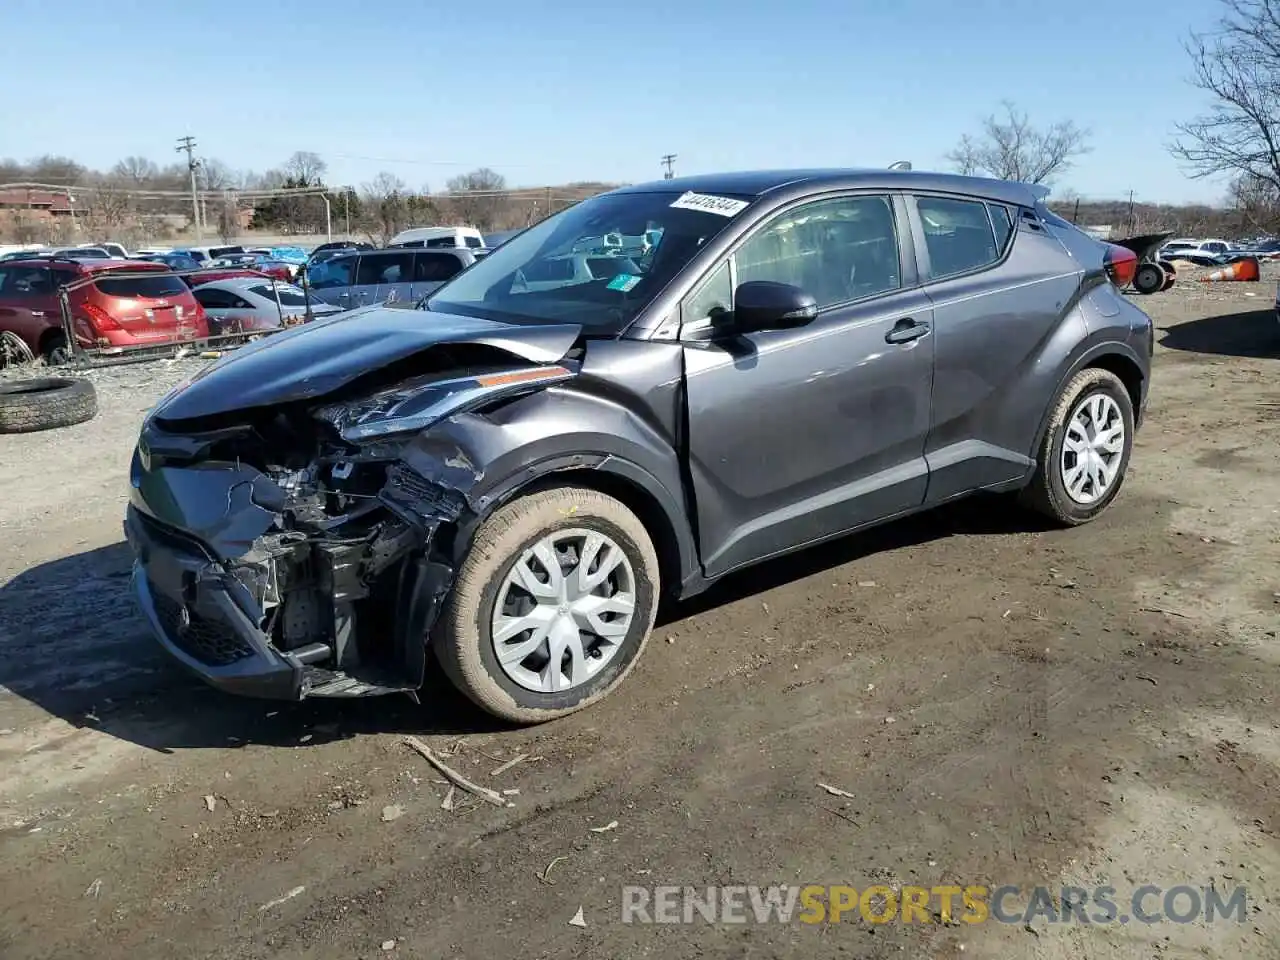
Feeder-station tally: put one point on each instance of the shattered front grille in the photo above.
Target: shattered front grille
(206, 640)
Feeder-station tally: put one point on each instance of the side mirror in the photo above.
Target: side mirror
(766, 305)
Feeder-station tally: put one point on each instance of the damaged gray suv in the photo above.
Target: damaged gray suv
(626, 402)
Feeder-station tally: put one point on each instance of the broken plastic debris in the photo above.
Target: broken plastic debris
(296, 891)
(388, 945)
(578, 919)
(392, 812)
(210, 802)
(611, 825)
(835, 791)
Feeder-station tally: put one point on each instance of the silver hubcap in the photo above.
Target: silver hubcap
(1092, 449)
(563, 610)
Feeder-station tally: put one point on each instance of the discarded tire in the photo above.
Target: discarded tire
(45, 403)
(1149, 278)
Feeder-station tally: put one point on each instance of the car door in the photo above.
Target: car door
(795, 435)
(998, 291)
(28, 302)
(332, 280)
(383, 276)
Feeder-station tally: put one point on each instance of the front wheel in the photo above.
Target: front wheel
(551, 607)
(1085, 451)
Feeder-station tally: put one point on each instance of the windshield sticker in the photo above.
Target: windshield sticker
(708, 203)
(625, 282)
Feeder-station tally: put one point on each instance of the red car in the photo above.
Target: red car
(114, 303)
(209, 274)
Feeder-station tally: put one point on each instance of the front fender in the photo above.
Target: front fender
(490, 458)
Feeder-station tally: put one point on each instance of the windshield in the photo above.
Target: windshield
(599, 263)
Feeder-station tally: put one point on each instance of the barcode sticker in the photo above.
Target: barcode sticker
(709, 203)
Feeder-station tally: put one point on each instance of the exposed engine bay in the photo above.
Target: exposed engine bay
(290, 550)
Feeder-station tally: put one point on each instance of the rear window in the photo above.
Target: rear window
(153, 287)
(289, 296)
(216, 252)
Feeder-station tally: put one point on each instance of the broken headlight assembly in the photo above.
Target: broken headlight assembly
(417, 404)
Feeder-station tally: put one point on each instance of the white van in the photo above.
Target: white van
(468, 237)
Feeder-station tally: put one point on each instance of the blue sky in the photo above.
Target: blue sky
(570, 90)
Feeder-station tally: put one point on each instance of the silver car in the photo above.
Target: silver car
(360, 278)
(243, 304)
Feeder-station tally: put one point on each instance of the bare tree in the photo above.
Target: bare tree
(476, 197)
(386, 207)
(216, 175)
(1238, 66)
(1010, 147)
(1257, 203)
(228, 217)
(306, 169)
(136, 171)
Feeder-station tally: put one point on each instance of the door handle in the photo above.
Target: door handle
(904, 331)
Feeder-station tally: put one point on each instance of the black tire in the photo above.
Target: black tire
(44, 403)
(1047, 493)
(462, 638)
(1149, 278)
(55, 350)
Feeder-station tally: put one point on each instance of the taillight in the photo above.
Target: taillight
(1121, 264)
(101, 320)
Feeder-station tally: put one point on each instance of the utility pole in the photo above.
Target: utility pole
(669, 161)
(188, 143)
(346, 208)
(1130, 211)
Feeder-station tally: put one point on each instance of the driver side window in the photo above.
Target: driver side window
(837, 250)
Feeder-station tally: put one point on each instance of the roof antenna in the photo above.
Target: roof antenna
(900, 165)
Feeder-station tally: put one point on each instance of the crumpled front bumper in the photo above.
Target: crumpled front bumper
(203, 618)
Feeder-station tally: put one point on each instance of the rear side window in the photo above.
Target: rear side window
(385, 268)
(474, 242)
(25, 281)
(435, 267)
(151, 287)
(958, 235)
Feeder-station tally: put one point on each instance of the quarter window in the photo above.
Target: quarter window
(836, 250)
(958, 234)
(1003, 224)
(712, 298)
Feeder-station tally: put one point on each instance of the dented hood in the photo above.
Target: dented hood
(318, 358)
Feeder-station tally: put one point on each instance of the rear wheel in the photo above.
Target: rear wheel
(54, 349)
(552, 606)
(1085, 452)
(1149, 278)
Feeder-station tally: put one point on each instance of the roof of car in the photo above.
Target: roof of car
(241, 283)
(756, 183)
(94, 264)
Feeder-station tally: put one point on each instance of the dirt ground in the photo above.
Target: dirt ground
(1005, 704)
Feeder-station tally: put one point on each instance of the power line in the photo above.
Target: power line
(669, 161)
